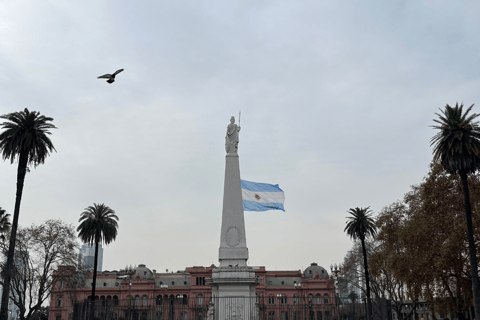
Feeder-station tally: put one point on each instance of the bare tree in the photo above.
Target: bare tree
(39, 251)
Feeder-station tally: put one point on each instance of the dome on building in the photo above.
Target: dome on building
(143, 272)
(313, 269)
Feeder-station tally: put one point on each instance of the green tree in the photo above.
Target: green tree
(25, 137)
(4, 223)
(98, 224)
(457, 148)
(360, 226)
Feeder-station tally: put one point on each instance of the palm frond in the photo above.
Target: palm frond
(360, 225)
(457, 143)
(26, 132)
(98, 219)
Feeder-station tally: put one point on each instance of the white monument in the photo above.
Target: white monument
(233, 282)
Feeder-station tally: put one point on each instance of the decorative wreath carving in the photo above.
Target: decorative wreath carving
(233, 237)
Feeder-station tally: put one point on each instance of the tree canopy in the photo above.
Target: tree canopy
(423, 241)
(39, 251)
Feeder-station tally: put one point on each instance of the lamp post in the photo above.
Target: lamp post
(130, 272)
(298, 287)
(164, 288)
(335, 271)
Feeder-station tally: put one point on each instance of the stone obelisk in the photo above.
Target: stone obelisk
(233, 282)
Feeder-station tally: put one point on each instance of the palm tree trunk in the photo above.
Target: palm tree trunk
(367, 281)
(95, 263)
(471, 245)
(22, 170)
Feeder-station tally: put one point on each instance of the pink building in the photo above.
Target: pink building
(292, 295)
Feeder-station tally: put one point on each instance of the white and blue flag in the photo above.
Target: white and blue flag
(262, 196)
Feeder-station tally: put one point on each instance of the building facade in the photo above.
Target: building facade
(87, 254)
(142, 294)
(13, 311)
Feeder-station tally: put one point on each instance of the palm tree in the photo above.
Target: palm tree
(359, 226)
(98, 224)
(4, 223)
(26, 138)
(457, 147)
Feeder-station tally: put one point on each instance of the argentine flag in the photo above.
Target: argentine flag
(262, 196)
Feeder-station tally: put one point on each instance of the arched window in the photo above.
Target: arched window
(200, 299)
(318, 299)
(185, 300)
(284, 315)
(158, 301)
(310, 298)
(319, 315)
(271, 300)
(158, 315)
(183, 316)
(60, 302)
(144, 301)
(137, 300)
(295, 299)
(325, 299)
(115, 300)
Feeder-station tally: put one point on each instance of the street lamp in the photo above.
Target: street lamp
(336, 270)
(130, 272)
(298, 287)
(164, 287)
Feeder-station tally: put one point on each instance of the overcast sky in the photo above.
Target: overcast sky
(336, 100)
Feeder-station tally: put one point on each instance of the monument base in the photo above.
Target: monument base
(233, 292)
(233, 257)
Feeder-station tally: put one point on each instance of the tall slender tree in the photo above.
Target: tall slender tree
(98, 224)
(457, 147)
(360, 226)
(25, 137)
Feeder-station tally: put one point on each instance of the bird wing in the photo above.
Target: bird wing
(117, 72)
(105, 76)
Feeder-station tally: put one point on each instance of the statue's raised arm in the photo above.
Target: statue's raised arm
(231, 138)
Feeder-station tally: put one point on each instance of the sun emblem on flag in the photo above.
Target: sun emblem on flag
(257, 196)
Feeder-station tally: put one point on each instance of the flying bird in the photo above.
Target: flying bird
(110, 77)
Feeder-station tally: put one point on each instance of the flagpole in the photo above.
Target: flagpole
(239, 114)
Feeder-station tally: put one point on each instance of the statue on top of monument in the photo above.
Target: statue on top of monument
(231, 138)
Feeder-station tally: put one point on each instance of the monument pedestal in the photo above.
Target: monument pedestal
(233, 282)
